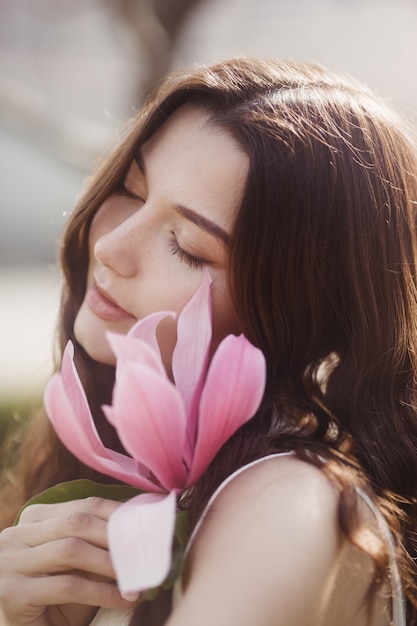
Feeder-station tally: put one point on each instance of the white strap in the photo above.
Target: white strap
(398, 600)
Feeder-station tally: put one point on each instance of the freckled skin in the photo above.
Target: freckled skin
(147, 255)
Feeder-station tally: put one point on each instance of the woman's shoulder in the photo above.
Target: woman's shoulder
(269, 534)
(284, 476)
(270, 545)
(274, 490)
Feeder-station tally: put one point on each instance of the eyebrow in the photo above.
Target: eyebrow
(203, 223)
(193, 216)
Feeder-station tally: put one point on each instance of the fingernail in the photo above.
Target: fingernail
(130, 596)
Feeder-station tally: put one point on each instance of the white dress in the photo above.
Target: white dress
(121, 617)
(112, 617)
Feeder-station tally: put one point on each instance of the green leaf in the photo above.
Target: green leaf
(78, 490)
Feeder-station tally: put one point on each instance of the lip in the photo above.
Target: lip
(103, 305)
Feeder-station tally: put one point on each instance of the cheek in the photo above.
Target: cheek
(225, 318)
(90, 334)
(166, 334)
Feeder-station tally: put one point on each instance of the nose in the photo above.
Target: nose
(118, 245)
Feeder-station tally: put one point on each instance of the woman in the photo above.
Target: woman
(297, 190)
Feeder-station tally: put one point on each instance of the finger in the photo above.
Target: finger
(99, 507)
(61, 589)
(62, 555)
(74, 524)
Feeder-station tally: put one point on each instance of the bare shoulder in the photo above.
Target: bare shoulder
(280, 495)
(267, 547)
(279, 484)
(282, 503)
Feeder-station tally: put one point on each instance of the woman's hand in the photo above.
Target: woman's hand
(55, 567)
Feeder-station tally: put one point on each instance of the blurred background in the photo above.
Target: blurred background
(71, 74)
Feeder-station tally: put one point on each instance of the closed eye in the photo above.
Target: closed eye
(185, 257)
(122, 190)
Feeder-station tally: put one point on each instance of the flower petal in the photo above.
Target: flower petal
(129, 349)
(69, 413)
(190, 357)
(148, 414)
(232, 393)
(140, 534)
(140, 343)
(145, 329)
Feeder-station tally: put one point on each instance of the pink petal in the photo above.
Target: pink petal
(127, 349)
(149, 417)
(190, 357)
(69, 413)
(140, 534)
(232, 393)
(145, 329)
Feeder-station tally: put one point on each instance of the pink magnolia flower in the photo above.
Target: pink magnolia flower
(172, 431)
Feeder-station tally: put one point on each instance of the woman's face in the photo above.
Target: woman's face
(150, 242)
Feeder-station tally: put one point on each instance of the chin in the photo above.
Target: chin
(94, 342)
(104, 358)
(101, 354)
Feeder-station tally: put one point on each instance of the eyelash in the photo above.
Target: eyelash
(123, 191)
(174, 248)
(191, 261)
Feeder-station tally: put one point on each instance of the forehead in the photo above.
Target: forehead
(190, 123)
(197, 161)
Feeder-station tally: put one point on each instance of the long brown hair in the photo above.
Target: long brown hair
(322, 273)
